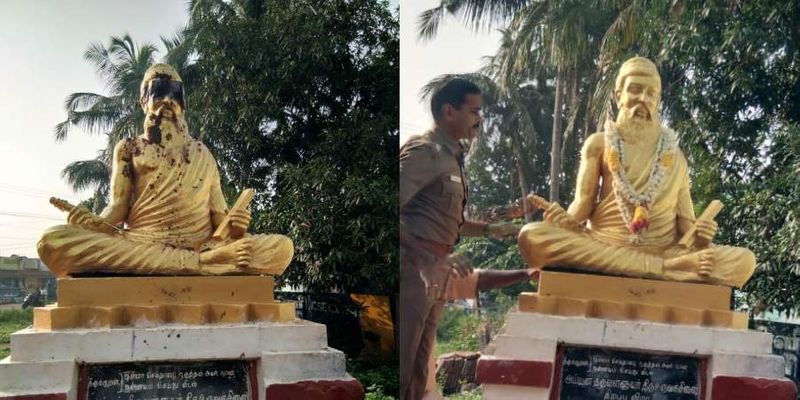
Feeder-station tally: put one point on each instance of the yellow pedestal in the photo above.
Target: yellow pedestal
(151, 301)
(618, 298)
(164, 290)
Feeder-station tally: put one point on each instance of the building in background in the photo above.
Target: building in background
(20, 276)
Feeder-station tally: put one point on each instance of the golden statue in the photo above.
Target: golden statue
(165, 187)
(632, 202)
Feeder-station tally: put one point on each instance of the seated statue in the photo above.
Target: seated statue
(632, 202)
(165, 187)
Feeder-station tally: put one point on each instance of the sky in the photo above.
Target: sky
(455, 49)
(42, 44)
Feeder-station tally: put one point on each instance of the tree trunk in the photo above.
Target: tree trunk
(555, 146)
(589, 125)
(514, 177)
(523, 184)
(572, 102)
(519, 164)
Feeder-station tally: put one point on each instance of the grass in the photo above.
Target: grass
(380, 377)
(460, 330)
(10, 322)
(476, 394)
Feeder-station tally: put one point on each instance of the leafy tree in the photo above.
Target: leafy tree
(735, 105)
(299, 101)
(559, 39)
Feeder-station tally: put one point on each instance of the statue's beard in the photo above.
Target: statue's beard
(162, 129)
(633, 128)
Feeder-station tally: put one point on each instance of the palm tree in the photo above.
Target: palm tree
(514, 101)
(579, 40)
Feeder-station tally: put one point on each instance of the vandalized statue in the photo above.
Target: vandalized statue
(165, 187)
(632, 202)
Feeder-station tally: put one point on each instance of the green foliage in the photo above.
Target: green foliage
(476, 394)
(736, 109)
(10, 322)
(380, 377)
(376, 393)
(458, 330)
(299, 101)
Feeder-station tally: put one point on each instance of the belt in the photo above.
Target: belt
(440, 249)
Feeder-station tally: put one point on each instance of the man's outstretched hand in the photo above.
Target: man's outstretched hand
(502, 230)
(460, 263)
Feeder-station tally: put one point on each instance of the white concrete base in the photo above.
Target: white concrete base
(684, 339)
(47, 362)
(508, 392)
(535, 337)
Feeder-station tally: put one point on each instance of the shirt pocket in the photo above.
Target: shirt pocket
(453, 195)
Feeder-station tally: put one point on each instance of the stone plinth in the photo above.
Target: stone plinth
(291, 358)
(618, 298)
(523, 362)
(162, 290)
(152, 301)
(108, 325)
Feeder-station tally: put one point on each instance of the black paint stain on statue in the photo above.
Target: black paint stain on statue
(154, 130)
(127, 171)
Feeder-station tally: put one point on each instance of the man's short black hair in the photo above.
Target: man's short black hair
(453, 92)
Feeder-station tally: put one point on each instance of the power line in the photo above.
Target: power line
(29, 215)
(32, 191)
(24, 187)
(14, 192)
(16, 247)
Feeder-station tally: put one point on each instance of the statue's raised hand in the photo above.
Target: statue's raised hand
(706, 230)
(556, 215)
(240, 220)
(82, 217)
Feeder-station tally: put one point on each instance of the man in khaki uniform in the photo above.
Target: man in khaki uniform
(433, 195)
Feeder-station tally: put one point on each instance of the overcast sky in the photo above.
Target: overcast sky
(455, 49)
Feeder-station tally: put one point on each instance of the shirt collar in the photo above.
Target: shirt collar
(453, 145)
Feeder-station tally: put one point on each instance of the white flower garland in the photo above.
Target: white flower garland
(623, 190)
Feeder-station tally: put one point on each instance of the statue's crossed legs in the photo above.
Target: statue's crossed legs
(544, 244)
(69, 249)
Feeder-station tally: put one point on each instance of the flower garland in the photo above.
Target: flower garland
(624, 192)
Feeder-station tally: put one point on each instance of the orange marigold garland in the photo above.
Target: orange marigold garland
(626, 195)
(639, 224)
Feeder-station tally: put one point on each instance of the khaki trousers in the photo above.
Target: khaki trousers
(423, 277)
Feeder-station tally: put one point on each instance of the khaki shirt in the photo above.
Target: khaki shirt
(433, 188)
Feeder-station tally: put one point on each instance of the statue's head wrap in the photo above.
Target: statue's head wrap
(163, 72)
(636, 66)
